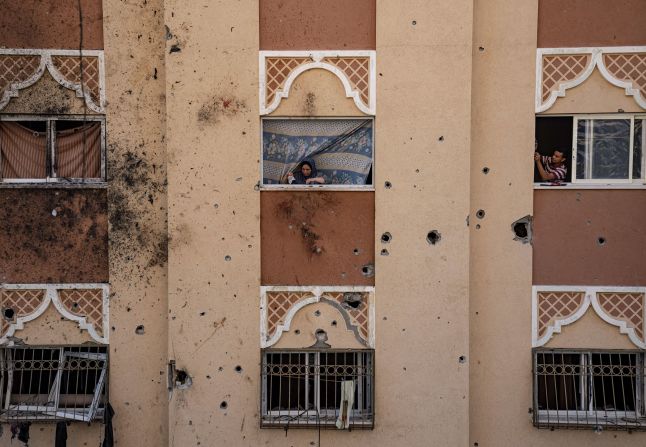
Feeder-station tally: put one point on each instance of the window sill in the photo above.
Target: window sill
(54, 185)
(592, 186)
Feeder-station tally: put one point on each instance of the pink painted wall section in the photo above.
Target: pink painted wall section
(50, 24)
(317, 25)
(591, 23)
(568, 226)
(53, 235)
(317, 238)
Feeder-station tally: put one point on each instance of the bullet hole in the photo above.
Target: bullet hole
(601, 240)
(481, 49)
(385, 318)
(480, 214)
(388, 185)
(256, 187)
(462, 359)
(238, 369)
(175, 48)
(75, 306)
(352, 300)
(334, 323)
(522, 229)
(317, 313)
(384, 252)
(202, 314)
(441, 138)
(477, 226)
(139, 330)
(227, 258)
(9, 313)
(368, 270)
(215, 205)
(224, 405)
(433, 237)
(386, 237)
(620, 110)
(297, 332)
(485, 170)
(155, 74)
(414, 22)
(356, 252)
(182, 379)
(475, 444)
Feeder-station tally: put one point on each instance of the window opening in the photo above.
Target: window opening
(317, 388)
(315, 152)
(67, 383)
(588, 389)
(52, 150)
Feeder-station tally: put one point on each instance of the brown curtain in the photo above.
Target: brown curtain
(78, 152)
(23, 152)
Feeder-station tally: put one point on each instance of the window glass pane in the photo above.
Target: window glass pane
(638, 144)
(23, 150)
(559, 378)
(603, 149)
(339, 151)
(78, 149)
(614, 383)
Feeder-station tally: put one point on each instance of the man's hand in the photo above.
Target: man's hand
(537, 156)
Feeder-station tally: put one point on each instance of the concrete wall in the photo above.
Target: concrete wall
(51, 24)
(590, 23)
(318, 238)
(568, 226)
(53, 235)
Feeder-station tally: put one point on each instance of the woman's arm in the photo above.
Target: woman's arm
(319, 180)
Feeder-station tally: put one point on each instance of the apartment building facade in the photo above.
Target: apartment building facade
(289, 222)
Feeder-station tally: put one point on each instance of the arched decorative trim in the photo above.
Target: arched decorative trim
(279, 305)
(556, 306)
(559, 69)
(355, 69)
(90, 309)
(17, 72)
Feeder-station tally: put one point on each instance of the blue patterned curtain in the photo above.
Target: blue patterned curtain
(341, 149)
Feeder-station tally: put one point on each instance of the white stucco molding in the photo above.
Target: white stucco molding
(596, 56)
(52, 294)
(296, 62)
(590, 298)
(10, 56)
(302, 296)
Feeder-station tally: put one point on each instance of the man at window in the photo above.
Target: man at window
(552, 168)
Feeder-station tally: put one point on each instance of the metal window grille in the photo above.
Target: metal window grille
(50, 384)
(303, 388)
(589, 389)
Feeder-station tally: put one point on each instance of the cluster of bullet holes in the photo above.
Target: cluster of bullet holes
(139, 330)
(182, 380)
(522, 229)
(433, 237)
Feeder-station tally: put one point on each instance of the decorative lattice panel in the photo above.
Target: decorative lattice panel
(359, 316)
(628, 67)
(18, 303)
(17, 69)
(278, 304)
(557, 305)
(69, 68)
(562, 68)
(626, 307)
(357, 70)
(86, 303)
(277, 71)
